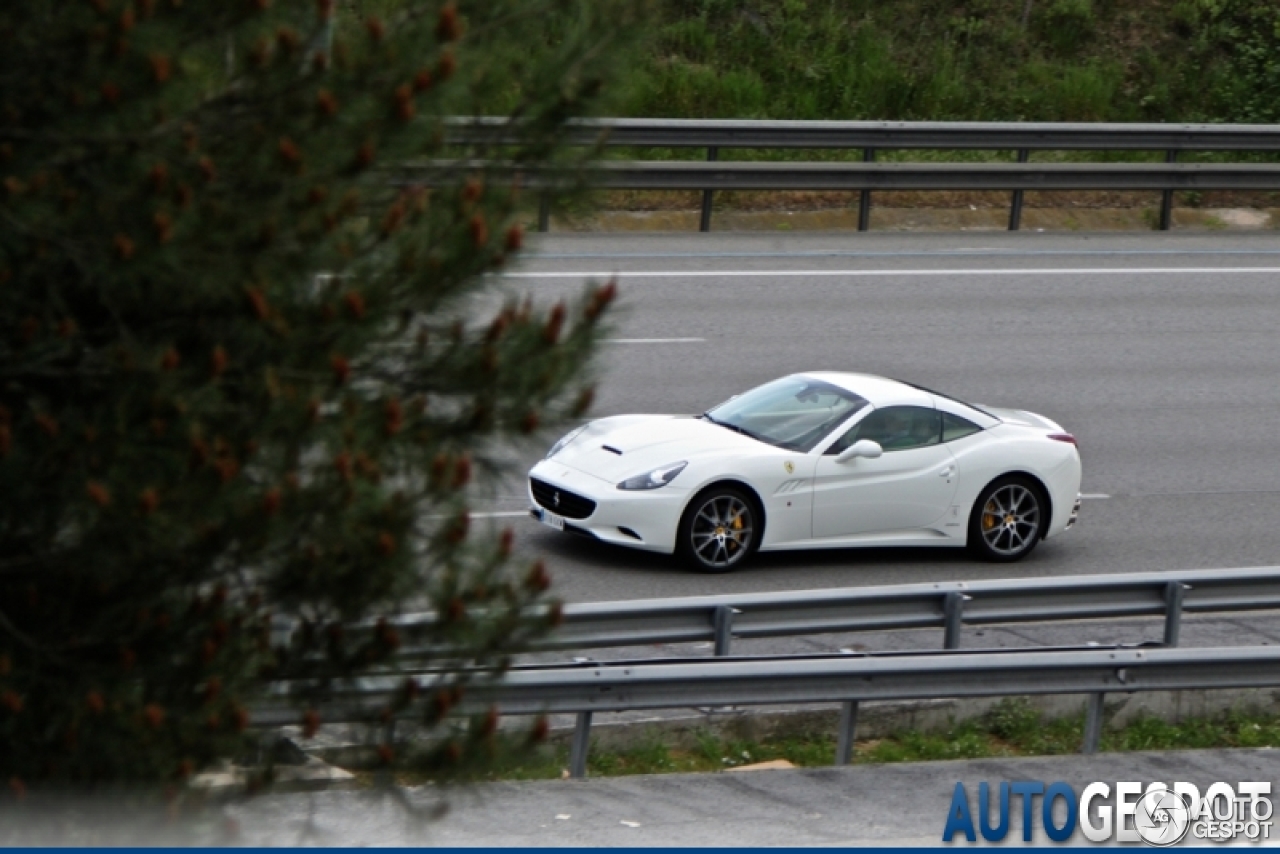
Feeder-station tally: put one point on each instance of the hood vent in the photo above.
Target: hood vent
(612, 449)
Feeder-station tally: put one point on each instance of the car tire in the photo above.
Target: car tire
(1008, 520)
(720, 530)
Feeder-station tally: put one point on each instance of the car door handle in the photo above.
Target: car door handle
(947, 472)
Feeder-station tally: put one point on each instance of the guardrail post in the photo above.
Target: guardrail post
(1015, 206)
(578, 749)
(389, 733)
(1093, 724)
(848, 726)
(723, 619)
(544, 213)
(864, 201)
(953, 611)
(1173, 611)
(704, 224)
(1166, 196)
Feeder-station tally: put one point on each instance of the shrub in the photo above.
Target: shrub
(198, 432)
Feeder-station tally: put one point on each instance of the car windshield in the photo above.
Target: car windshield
(793, 413)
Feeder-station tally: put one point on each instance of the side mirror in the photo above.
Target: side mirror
(861, 448)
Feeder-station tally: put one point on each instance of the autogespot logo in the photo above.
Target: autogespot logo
(1162, 817)
(1154, 813)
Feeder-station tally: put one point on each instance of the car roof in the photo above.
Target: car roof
(878, 391)
(882, 391)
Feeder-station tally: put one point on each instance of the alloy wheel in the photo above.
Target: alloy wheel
(1010, 520)
(722, 531)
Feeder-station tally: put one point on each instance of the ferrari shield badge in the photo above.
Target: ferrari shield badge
(789, 466)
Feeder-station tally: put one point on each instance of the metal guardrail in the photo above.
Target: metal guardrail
(762, 175)
(848, 679)
(749, 133)
(664, 683)
(755, 175)
(945, 605)
(871, 137)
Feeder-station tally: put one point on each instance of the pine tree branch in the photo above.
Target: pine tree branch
(12, 221)
(29, 642)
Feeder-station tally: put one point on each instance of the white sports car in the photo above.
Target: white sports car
(814, 461)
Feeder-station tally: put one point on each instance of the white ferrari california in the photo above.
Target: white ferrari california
(814, 461)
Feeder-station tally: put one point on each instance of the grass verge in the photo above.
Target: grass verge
(1011, 728)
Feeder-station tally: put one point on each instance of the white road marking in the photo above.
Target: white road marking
(1025, 271)
(1074, 252)
(653, 340)
(1204, 492)
(1176, 494)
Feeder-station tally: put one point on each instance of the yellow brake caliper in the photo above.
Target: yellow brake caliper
(988, 518)
(737, 526)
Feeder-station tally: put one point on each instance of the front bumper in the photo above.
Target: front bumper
(643, 519)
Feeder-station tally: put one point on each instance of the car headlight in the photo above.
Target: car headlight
(654, 479)
(565, 440)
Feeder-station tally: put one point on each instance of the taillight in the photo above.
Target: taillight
(1064, 437)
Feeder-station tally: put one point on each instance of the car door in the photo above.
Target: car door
(909, 487)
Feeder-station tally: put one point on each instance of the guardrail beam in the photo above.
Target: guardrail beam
(755, 175)
(659, 684)
(733, 133)
(860, 609)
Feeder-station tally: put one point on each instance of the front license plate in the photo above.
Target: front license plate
(549, 518)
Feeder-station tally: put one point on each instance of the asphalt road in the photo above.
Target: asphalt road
(890, 805)
(1161, 352)
(880, 805)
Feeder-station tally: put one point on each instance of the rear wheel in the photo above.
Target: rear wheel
(1007, 520)
(720, 529)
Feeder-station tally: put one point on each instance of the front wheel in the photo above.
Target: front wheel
(719, 530)
(1007, 520)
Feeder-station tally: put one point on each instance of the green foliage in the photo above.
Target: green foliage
(1013, 727)
(936, 60)
(1013, 719)
(1239, 45)
(965, 741)
(1083, 93)
(198, 432)
(1230, 730)
(1017, 724)
(1067, 25)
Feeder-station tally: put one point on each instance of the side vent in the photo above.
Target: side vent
(612, 449)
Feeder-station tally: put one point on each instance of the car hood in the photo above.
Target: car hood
(626, 445)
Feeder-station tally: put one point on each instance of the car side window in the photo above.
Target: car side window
(954, 427)
(895, 428)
